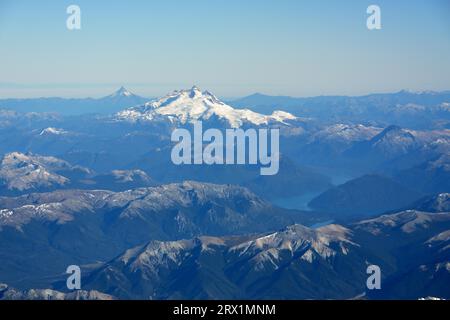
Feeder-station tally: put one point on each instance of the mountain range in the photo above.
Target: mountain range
(120, 99)
(419, 110)
(293, 263)
(362, 180)
(105, 222)
(24, 173)
(8, 293)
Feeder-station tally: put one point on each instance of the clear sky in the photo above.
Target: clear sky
(232, 48)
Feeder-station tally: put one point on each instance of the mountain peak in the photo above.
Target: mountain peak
(195, 88)
(192, 93)
(21, 171)
(195, 92)
(392, 128)
(122, 92)
(394, 134)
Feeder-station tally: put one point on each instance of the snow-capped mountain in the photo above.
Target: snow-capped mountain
(8, 293)
(394, 140)
(190, 207)
(122, 92)
(407, 222)
(346, 133)
(294, 263)
(326, 143)
(20, 171)
(188, 106)
(121, 97)
(118, 180)
(252, 267)
(53, 131)
(391, 144)
(106, 223)
(420, 243)
(298, 241)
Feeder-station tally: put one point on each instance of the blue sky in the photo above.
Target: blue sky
(232, 48)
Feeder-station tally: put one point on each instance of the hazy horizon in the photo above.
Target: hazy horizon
(111, 90)
(292, 48)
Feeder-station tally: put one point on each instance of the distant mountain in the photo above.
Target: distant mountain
(50, 131)
(120, 99)
(10, 119)
(188, 106)
(391, 143)
(418, 110)
(293, 263)
(428, 98)
(291, 180)
(341, 133)
(432, 176)
(363, 196)
(326, 144)
(357, 149)
(120, 180)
